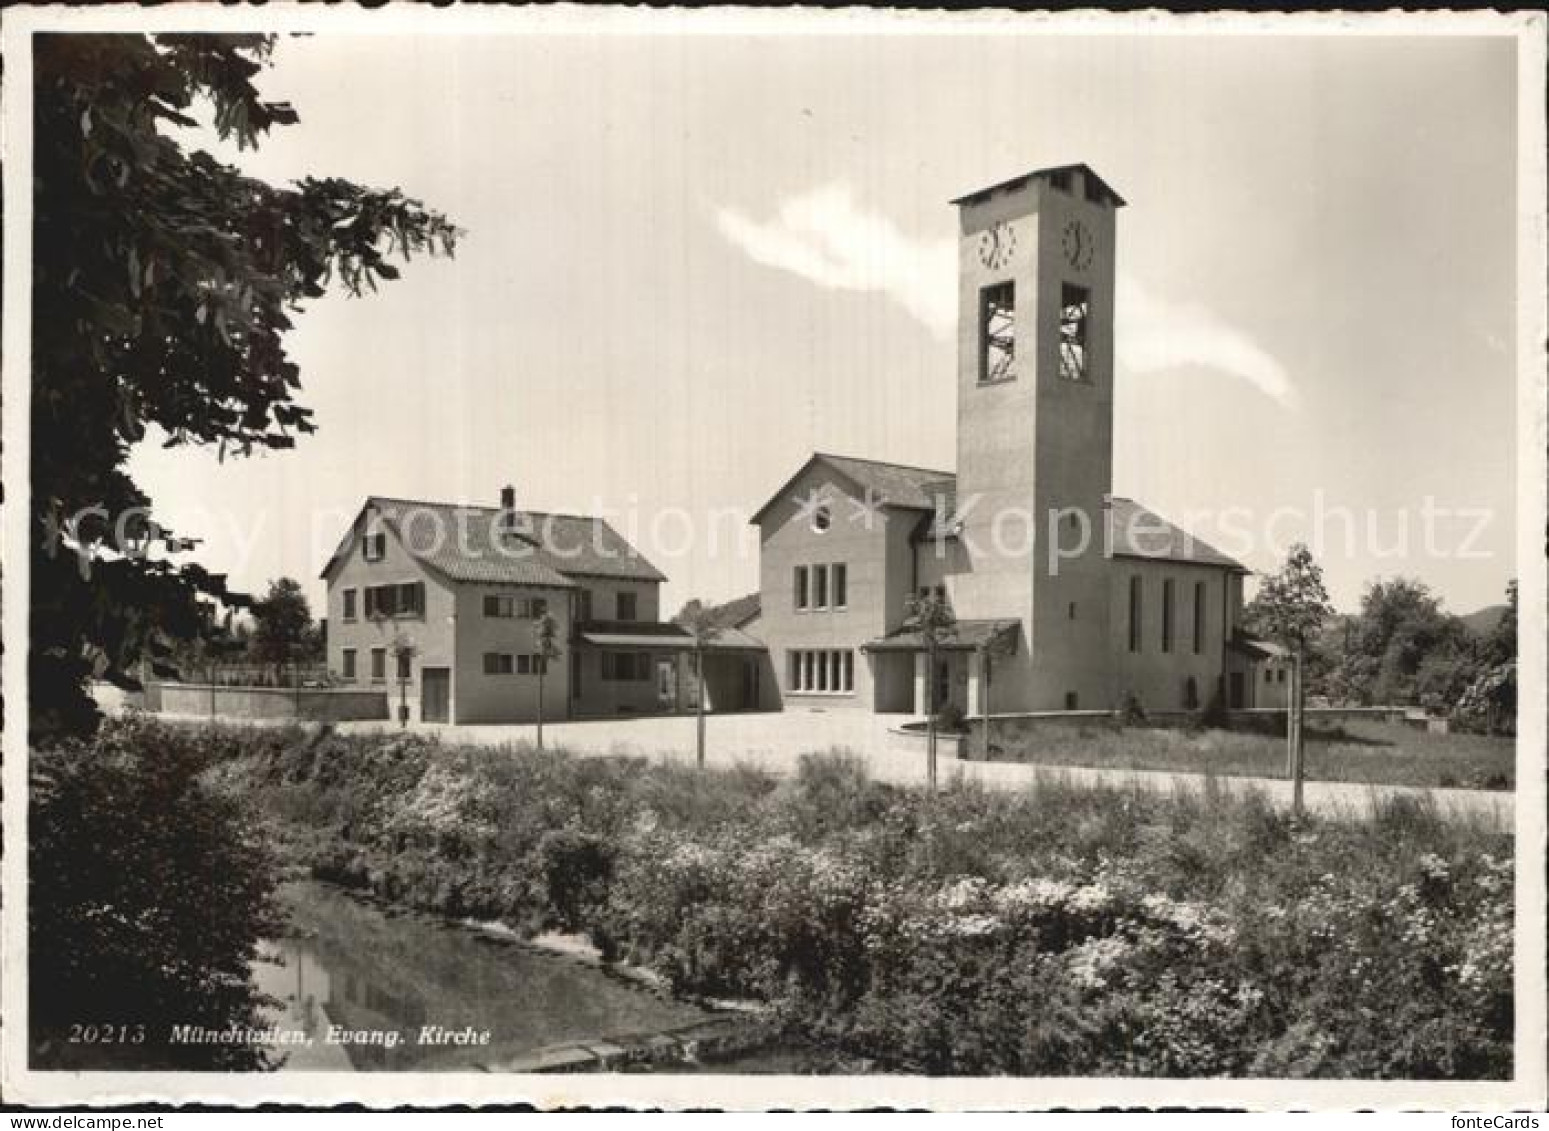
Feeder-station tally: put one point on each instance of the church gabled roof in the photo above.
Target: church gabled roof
(890, 484)
(1137, 532)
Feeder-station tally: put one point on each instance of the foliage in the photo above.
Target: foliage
(284, 630)
(1060, 930)
(1291, 606)
(163, 284)
(148, 894)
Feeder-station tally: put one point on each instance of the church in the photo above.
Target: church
(1064, 596)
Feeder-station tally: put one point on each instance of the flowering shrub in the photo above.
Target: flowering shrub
(1065, 929)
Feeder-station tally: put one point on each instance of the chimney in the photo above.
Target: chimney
(507, 508)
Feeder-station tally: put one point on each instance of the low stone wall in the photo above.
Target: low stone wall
(316, 704)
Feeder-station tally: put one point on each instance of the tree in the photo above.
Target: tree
(1400, 626)
(1501, 646)
(701, 624)
(404, 651)
(931, 617)
(149, 889)
(163, 283)
(1292, 606)
(283, 624)
(546, 635)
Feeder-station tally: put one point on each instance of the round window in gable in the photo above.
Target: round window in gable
(822, 519)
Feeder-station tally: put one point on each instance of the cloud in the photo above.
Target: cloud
(1154, 334)
(824, 238)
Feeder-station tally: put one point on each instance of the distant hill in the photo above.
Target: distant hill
(1483, 622)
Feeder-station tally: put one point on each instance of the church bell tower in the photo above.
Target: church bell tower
(1035, 426)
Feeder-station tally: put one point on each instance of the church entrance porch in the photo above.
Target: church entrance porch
(905, 679)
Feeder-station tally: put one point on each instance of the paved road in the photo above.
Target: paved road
(774, 742)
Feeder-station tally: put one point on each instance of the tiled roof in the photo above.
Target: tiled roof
(897, 484)
(965, 635)
(1136, 532)
(735, 614)
(892, 484)
(466, 543)
(1258, 649)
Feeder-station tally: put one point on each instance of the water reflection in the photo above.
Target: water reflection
(368, 990)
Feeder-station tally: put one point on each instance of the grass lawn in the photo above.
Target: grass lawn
(1355, 751)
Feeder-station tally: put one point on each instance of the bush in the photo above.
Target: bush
(576, 869)
(1063, 929)
(149, 892)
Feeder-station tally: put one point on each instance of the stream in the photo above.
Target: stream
(371, 988)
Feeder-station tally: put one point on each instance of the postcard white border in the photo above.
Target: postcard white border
(1526, 1092)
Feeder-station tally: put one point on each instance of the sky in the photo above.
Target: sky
(690, 261)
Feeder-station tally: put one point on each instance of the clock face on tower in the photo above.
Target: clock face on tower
(1078, 245)
(996, 245)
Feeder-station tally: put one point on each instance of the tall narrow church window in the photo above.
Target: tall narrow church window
(1167, 615)
(1199, 617)
(997, 331)
(1134, 614)
(1075, 307)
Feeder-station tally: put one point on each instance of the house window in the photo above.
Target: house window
(1199, 617)
(349, 604)
(997, 332)
(800, 586)
(378, 664)
(1167, 615)
(497, 605)
(374, 547)
(1280, 676)
(820, 587)
(1135, 610)
(499, 663)
(623, 667)
(839, 578)
(403, 600)
(537, 607)
(1075, 306)
(1269, 676)
(349, 663)
(524, 664)
(404, 662)
(626, 606)
(822, 519)
(1072, 701)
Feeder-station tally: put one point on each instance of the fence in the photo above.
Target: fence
(263, 675)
